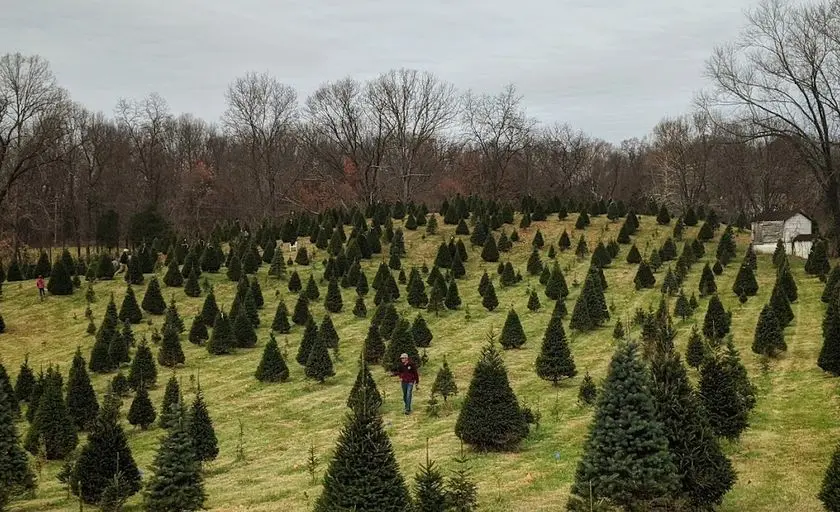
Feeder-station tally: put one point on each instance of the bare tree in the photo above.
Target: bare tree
(33, 115)
(498, 128)
(261, 115)
(780, 78)
(415, 109)
(562, 159)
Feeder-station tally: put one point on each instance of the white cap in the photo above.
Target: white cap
(403, 355)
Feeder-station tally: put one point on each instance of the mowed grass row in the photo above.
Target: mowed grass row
(780, 459)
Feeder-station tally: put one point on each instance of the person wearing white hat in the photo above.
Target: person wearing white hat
(409, 378)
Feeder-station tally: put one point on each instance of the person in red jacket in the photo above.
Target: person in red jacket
(409, 379)
(40, 284)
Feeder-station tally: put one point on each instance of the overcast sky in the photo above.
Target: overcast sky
(610, 67)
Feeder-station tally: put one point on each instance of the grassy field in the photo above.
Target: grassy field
(780, 459)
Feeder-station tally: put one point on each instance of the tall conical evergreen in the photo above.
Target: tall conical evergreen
(172, 318)
(201, 430)
(590, 310)
(222, 339)
(429, 487)
(490, 418)
(23, 385)
(301, 313)
(724, 402)
(556, 288)
(769, 338)
(210, 309)
(830, 284)
(829, 357)
(191, 287)
(707, 284)
(781, 305)
(402, 342)
(489, 299)
(817, 263)
(626, 458)
(513, 336)
(333, 302)
(60, 282)
(280, 323)
(444, 384)
(364, 393)
(420, 332)
(52, 424)
(130, 310)
(453, 299)
(234, 268)
(153, 300)
(34, 397)
(555, 362)
(100, 358)
(328, 333)
(170, 353)
(310, 334)
(105, 456)
(745, 282)
(489, 252)
(705, 474)
(374, 346)
(81, 398)
(416, 290)
(829, 493)
(6, 385)
(695, 349)
(143, 367)
(363, 474)
(173, 277)
(272, 367)
(198, 332)
(644, 276)
(243, 331)
(360, 309)
(171, 399)
(785, 278)
(141, 413)
(16, 475)
(319, 366)
(176, 482)
(295, 284)
(717, 321)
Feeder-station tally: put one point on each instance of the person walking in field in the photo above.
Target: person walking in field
(409, 379)
(42, 293)
(124, 257)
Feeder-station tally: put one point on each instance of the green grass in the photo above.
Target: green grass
(780, 459)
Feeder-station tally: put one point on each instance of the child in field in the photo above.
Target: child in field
(40, 284)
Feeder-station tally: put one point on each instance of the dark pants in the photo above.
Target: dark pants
(42, 293)
(407, 388)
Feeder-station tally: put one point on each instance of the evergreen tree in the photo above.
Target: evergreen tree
(222, 340)
(452, 300)
(171, 401)
(564, 243)
(633, 256)
(16, 476)
(695, 350)
(374, 346)
(280, 323)
(310, 334)
(60, 282)
(508, 277)
(442, 260)
(301, 313)
(513, 335)
(402, 342)
(785, 279)
(723, 402)
(52, 424)
(671, 283)
(429, 487)
(420, 332)
(294, 282)
(416, 290)
(829, 357)
(444, 384)
(626, 458)
(333, 302)
(327, 332)
(362, 285)
(779, 254)
(644, 277)
(209, 309)
(6, 385)
(172, 317)
(129, 310)
(618, 330)
(682, 308)
(780, 304)
(707, 284)
(490, 418)
(582, 249)
(105, 456)
(360, 310)
(278, 265)
(717, 321)
(830, 284)
(663, 218)
(170, 353)
(388, 319)
(311, 292)
(489, 299)
(533, 301)
(81, 398)
(100, 353)
(319, 366)
(234, 268)
(706, 232)
(200, 427)
(556, 288)
(272, 367)
(489, 252)
(23, 385)
(363, 474)
(817, 263)
(745, 282)
(192, 287)
(364, 395)
(769, 338)
(717, 268)
(588, 392)
(582, 221)
(829, 493)
(198, 332)
(243, 331)
(555, 360)
(176, 482)
(143, 369)
(458, 270)
(705, 474)
(153, 300)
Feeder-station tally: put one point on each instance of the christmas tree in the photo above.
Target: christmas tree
(16, 476)
(420, 332)
(170, 353)
(310, 334)
(222, 339)
(717, 321)
(209, 309)
(272, 367)
(129, 310)
(319, 366)
(200, 427)
(52, 424)
(444, 384)
(81, 398)
(555, 359)
(153, 300)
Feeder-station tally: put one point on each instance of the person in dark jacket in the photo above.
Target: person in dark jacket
(409, 379)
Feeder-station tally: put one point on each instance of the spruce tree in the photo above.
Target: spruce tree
(785, 279)
(52, 423)
(60, 282)
(104, 457)
(301, 313)
(489, 299)
(23, 385)
(172, 318)
(490, 418)
(817, 263)
(555, 359)
(234, 268)
(222, 340)
(198, 332)
(173, 277)
(363, 474)
(402, 342)
(717, 321)
(200, 427)
(682, 308)
(6, 385)
(695, 350)
(705, 474)
(769, 338)
(725, 405)
(644, 277)
(416, 290)
(453, 299)
(272, 367)
(633, 256)
(429, 488)
(533, 301)
(707, 284)
(170, 353)
(829, 357)
(717, 268)
(34, 397)
(294, 282)
(360, 310)
(280, 323)
(171, 400)
(444, 384)
(442, 260)
(626, 458)
(745, 282)
(210, 309)
(374, 346)
(564, 243)
(278, 265)
(16, 475)
(420, 332)
(830, 284)
(490, 252)
(327, 332)
(176, 482)
(310, 334)
(192, 288)
(81, 398)
(512, 336)
(388, 320)
(829, 493)
(333, 302)
(311, 291)
(153, 300)
(556, 288)
(781, 305)
(779, 254)
(508, 276)
(143, 369)
(362, 285)
(663, 218)
(243, 331)
(319, 366)
(129, 310)
(364, 393)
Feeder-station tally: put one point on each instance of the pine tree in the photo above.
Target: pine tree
(779, 254)
(301, 313)
(272, 367)
(785, 279)
(829, 357)
(6, 385)
(81, 398)
(200, 427)
(16, 476)
(489, 299)
(633, 256)
(626, 458)
(707, 284)
(429, 487)
(243, 330)
(60, 282)
(280, 323)
(533, 301)
(234, 268)
(360, 310)
(453, 299)
(644, 277)
(311, 292)
(556, 288)
(512, 336)
(402, 342)
(717, 268)
(444, 384)
(695, 350)
(176, 482)
(105, 456)
(508, 276)
(364, 395)
(706, 232)
(564, 243)
(294, 282)
(319, 366)
(52, 423)
(420, 332)
(588, 392)
(171, 401)
(779, 303)
(717, 321)
(198, 332)
(192, 287)
(817, 263)
(769, 338)
(416, 290)
(143, 369)
(278, 265)
(705, 474)
(129, 310)
(829, 493)
(362, 285)
(723, 402)
(830, 284)
(173, 277)
(745, 282)
(209, 309)
(682, 308)
(170, 353)
(663, 218)
(374, 346)
(582, 221)
(222, 339)
(153, 300)
(327, 332)
(555, 359)
(387, 322)
(141, 413)
(489, 252)
(490, 418)
(310, 334)
(23, 385)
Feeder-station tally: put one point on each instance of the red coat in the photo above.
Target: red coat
(408, 372)
(39, 282)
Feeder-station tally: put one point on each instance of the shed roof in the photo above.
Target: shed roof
(805, 238)
(780, 215)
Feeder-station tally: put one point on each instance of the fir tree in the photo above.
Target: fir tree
(555, 359)
(105, 456)
(388, 319)
(489, 299)
(222, 340)
(618, 331)
(582, 249)
(311, 292)
(173, 277)
(200, 427)
(234, 269)
(280, 323)
(829, 357)
(442, 260)
(319, 366)
(817, 263)
(153, 300)
(769, 338)
(272, 367)
(717, 268)
(745, 282)
(294, 282)
(452, 300)
(695, 350)
(431, 225)
(6, 386)
(830, 284)
(243, 331)
(198, 332)
(429, 488)
(508, 276)
(538, 241)
(588, 392)
(723, 402)
(663, 218)
(374, 346)
(671, 283)
(490, 418)
(626, 458)
(209, 309)
(644, 277)
(278, 265)
(362, 285)
(143, 369)
(81, 398)
(170, 353)
(706, 232)
(458, 270)
(490, 252)
(533, 301)
(23, 385)
(364, 395)
(785, 279)
(512, 336)
(582, 221)
(829, 493)
(779, 254)
(327, 332)
(534, 265)
(360, 310)
(52, 425)
(556, 288)
(310, 334)
(717, 321)
(705, 474)
(444, 384)
(301, 313)
(129, 310)
(192, 287)
(176, 482)
(420, 332)
(564, 243)
(16, 476)
(707, 284)
(171, 401)
(416, 290)
(172, 317)
(60, 282)
(633, 256)
(780, 304)
(402, 342)
(682, 308)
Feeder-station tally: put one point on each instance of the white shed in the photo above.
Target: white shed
(791, 227)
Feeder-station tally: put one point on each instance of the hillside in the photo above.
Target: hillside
(780, 459)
